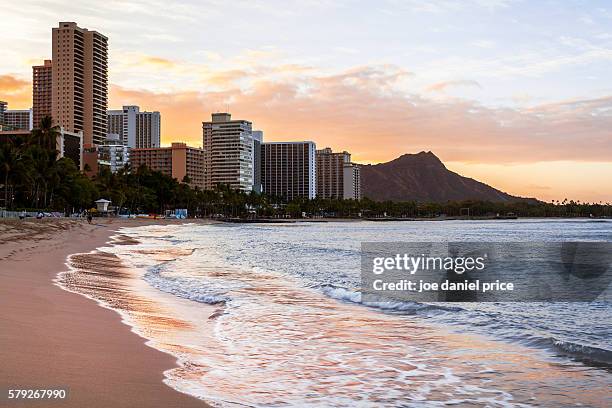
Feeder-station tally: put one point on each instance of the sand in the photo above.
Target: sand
(53, 338)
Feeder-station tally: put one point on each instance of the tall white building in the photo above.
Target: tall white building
(351, 182)
(113, 153)
(136, 129)
(288, 169)
(228, 152)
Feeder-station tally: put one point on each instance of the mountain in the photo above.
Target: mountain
(423, 177)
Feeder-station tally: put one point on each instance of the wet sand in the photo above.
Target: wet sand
(53, 338)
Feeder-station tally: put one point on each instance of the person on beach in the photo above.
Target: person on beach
(89, 218)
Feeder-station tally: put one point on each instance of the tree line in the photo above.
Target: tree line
(33, 179)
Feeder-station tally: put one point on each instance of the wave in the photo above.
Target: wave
(353, 296)
(586, 354)
(589, 355)
(185, 288)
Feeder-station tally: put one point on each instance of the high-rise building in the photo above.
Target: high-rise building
(352, 182)
(18, 119)
(113, 153)
(80, 81)
(135, 128)
(257, 141)
(330, 173)
(337, 177)
(3, 108)
(228, 147)
(288, 169)
(42, 88)
(177, 161)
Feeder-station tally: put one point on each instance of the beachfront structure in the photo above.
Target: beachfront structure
(42, 88)
(228, 147)
(337, 177)
(177, 161)
(102, 205)
(257, 141)
(136, 129)
(18, 119)
(288, 169)
(80, 81)
(113, 154)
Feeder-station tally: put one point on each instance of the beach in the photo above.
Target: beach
(53, 338)
(148, 313)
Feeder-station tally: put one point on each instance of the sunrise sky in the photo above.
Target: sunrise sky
(517, 94)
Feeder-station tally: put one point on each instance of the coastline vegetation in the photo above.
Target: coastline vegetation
(32, 178)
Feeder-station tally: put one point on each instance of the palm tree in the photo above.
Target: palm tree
(46, 134)
(10, 157)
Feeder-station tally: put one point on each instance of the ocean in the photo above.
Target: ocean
(270, 315)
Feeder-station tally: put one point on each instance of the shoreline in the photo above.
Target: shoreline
(52, 337)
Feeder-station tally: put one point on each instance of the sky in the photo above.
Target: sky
(517, 94)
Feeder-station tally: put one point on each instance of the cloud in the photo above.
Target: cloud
(225, 78)
(442, 86)
(11, 84)
(166, 63)
(17, 92)
(362, 110)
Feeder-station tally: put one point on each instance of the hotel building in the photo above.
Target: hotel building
(337, 177)
(228, 146)
(80, 81)
(136, 129)
(18, 119)
(42, 88)
(177, 161)
(113, 154)
(330, 173)
(288, 169)
(352, 182)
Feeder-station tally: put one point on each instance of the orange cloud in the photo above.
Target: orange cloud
(362, 111)
(181, 113)
(17, 92)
